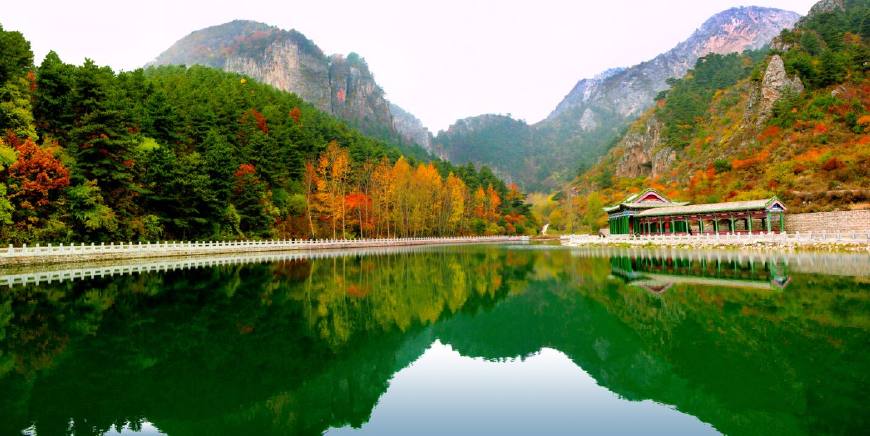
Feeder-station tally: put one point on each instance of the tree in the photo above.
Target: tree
(250, 200)
(36, 177)
(52, 100)
(456, 192)
(833, 68)
(102, 142)
(15, 55)
(333, 169)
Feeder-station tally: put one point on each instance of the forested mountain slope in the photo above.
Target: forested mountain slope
(170, 152)
(790, 122)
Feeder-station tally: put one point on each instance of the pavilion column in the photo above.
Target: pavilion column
(767, 221)
(749, 223)
(716, 225)
(700, 225)
(673, 226)
(731, 219)
(782, 222)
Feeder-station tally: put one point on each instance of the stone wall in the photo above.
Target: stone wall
(841, 221)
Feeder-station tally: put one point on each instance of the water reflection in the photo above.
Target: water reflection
(303, 345)
(511, 397)
(658, 274)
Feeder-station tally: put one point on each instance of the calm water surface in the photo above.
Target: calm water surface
(493, 339)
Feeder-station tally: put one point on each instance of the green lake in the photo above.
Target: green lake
(483, 339)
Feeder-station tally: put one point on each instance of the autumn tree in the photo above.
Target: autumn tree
(36, 177)
(333, 169)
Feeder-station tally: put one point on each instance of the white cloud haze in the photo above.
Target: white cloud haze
(440, 60)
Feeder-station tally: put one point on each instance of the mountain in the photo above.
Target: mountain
(586, 122)
(340, 85)
(792, 123)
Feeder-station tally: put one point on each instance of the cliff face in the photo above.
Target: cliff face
(287, 60)
(595, 113)
(356, 97)
(643, 151)
(410, 128)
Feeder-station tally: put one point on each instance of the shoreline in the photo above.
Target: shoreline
(60, 254)
(853, 242)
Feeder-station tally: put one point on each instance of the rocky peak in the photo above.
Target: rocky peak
(356, 96)
(827, 6)
(629, 91)
(287, 60)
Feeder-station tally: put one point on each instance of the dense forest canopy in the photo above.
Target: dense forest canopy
(171, 152)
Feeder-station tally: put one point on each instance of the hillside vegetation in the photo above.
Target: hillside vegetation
(737, 127)
(196, 153)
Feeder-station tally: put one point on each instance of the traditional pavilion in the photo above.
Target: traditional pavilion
(651, 213)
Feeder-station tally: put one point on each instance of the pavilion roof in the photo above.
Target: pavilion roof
(731, 206)
(631, 203)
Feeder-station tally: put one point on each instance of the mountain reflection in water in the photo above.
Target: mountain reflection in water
(535, 335)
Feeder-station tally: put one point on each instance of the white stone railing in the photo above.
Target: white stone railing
(798, 238)
(836, 263)
(36, 274)
(51, 252)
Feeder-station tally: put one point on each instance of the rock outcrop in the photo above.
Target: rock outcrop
(774, 86)
(643, 152)
(410, 128)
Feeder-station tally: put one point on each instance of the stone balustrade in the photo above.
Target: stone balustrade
(736, 239)
(89, 252)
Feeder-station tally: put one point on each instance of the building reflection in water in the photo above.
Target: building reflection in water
(658, 274)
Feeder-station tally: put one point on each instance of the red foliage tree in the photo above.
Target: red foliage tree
(245, 169)
(258, 118)
(35, 175)
(295, 115)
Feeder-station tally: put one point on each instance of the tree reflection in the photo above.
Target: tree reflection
(298, 346)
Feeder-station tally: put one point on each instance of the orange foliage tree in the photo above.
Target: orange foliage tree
(36, 176)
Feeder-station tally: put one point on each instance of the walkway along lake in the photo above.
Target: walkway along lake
(59, 253)
(510, 338)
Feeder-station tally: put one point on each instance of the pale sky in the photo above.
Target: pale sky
(440, 60)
